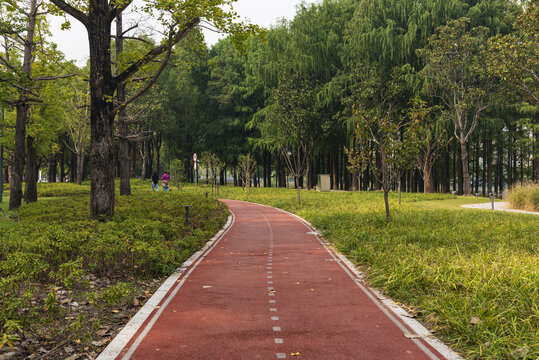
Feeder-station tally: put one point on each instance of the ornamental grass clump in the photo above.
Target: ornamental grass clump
(524, 197)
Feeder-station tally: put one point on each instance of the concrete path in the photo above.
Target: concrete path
(269, 288)
(500, 206)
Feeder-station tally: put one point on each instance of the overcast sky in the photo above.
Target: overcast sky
(74, 43)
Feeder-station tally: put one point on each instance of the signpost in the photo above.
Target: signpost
(196, 170)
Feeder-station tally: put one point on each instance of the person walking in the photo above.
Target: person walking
(165, 181)
(155, 182)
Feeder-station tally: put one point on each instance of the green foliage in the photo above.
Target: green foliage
(447, 263)
(117, 295)
(55, 245)
(524, 197)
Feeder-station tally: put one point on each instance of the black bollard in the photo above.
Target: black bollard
(206, 195)
(187, 214)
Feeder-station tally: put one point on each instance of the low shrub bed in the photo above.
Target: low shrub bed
(68, 282)
(524, 197)
(472, 276)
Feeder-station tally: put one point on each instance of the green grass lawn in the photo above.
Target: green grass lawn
(449, 264)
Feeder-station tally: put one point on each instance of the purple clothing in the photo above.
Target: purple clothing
(166, 177)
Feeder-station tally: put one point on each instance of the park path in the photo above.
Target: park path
(270, 289)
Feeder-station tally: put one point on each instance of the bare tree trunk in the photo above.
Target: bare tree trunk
(123, 144)
(158, 143)
(465, 168)
(428, 179)
(51, 168)
(308, 174)
(15, 184)
(61, 158)
(536, 154)
(80, 167)
(30, 190)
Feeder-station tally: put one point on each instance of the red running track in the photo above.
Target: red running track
(270, 290)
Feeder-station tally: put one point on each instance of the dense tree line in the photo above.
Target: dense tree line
(315, 79)
(420, 95)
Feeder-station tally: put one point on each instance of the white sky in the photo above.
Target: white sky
(74, 43)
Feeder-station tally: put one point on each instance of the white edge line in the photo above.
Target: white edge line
(398, 311)
(117, 345)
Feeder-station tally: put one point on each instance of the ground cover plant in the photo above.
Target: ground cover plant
(472, 276)
(524, 197)
(68, 284)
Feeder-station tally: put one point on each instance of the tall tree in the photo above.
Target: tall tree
(455, 70)
(178, 19)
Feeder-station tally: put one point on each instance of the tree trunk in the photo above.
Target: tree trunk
(536, 155)
(428, 179)
(445, 172)
(460, 172)
(15, 183)
(80, 167)
(51, 169)
(62, 160)
(298, 187)
(17, 168)
(377, 184)
(101, 116)
(30, 190)
(123, 144)
(158, 143)
(465, 168)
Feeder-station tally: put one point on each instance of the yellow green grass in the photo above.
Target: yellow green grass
(524, 197)
(448, 263)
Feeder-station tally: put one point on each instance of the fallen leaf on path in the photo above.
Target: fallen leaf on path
(295, 354)
(297, 283)
(115, 311)
(475, 320)
(411, 336)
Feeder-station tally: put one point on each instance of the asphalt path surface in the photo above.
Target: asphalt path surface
(270, 289)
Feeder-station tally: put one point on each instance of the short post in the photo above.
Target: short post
(206, 194)
(187, 214)
(492, 200)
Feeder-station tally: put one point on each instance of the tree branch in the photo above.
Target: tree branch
(77, 14)
(155, 52)
(45, 78)
(118, 9)
(148, 85)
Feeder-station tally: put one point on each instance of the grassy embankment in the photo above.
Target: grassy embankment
(447, 263)
(68, 283)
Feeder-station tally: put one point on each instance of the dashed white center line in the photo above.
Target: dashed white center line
(269, 272)
(270, 282)
(281, 356)
(278, 341)
(272, 301)
(269, 276)
(275, 318)
(276, 328)
(273, 309)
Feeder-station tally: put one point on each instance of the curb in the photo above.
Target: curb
(118, 344)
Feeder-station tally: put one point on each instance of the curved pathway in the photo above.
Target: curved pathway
(268, 288)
